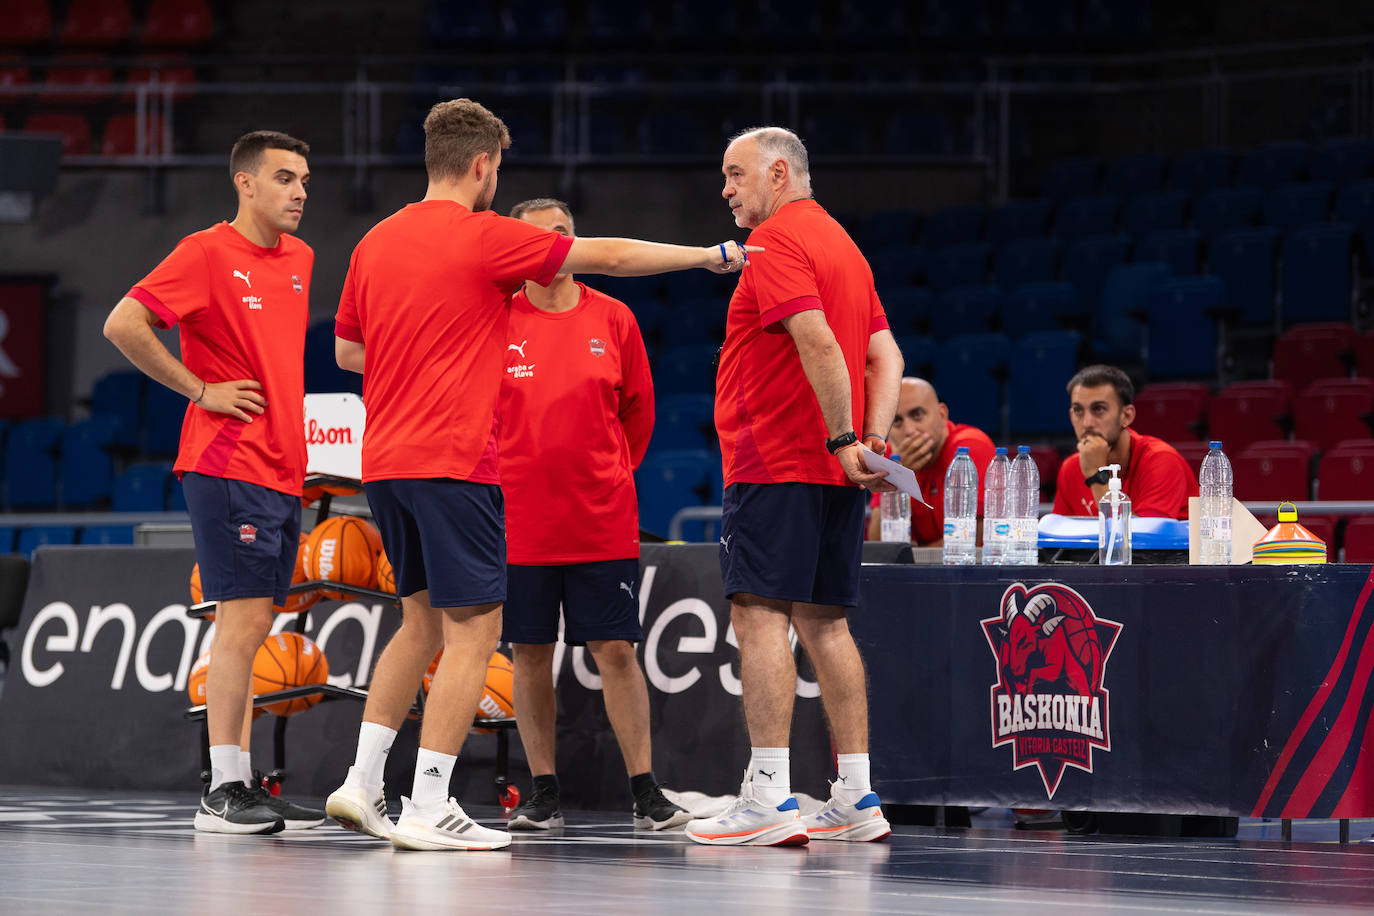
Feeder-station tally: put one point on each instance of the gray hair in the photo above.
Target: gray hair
(780, 143)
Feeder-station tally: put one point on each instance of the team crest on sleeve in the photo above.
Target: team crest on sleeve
(597, 346)
(296, 283)
(1049, 702)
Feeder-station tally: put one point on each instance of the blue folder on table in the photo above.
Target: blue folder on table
(1078, 531)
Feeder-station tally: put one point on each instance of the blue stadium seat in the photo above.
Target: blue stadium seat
(634, 291)
(884, 228)
(1035, 307)
(896, 266)
(675, 132)
(958, 265)
(1086, 264)
(957, 22)
(918, 352)
(919, 133)
(142, 488)
(1154, 212)
(871, 22)
(120, 394)
(1274, 164)
(31, 463)
(176, 497)
(1127, 297)
(606, 133)
(536, 22)
(1041, 363)
(685, 370)
(695, 322)
(527, 133)
(1122, 22)
(839, 131)
(1026, 261)
(163, 411)
(1202, 171)
(687, 25)
(322, 372)
(1131, 175)
(1017, 220)
(1343, 160)
(788, 22)
(684, 421)
(908, 308)
(452, 22)
(107, 534)
(1293, 205)
(1182, 329)
(35, 536)
(969, 373)
(1246, 262)
(1315, 272)
(954, 226)
(1085, 216)
(965, 310)
(618, 22)
(671, 480)
(7, 538)
(1355, 205)
(86, 466)
(1181, 249)
(1067, 178)
(1039, 23)
(1218, 211)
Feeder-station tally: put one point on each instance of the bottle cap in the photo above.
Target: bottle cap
(961, 450)
(1001, 450)
(1215, 443)
(1023, 449)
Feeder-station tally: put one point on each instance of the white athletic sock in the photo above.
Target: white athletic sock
(374, 743)
(224, 764)
(246, 767)
(432, 772)
(770, 770)
(853, 783)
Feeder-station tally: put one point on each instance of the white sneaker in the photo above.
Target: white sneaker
(750, 822)
(859, 822)
(350, 807)
(451, 829)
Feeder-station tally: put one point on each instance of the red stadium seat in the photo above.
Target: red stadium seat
(1359, 540)
(174, 69)
(26, 23)
(1347, 471)
(74, 129)
(14, 75)
(178, 23)
(1307, 352)
(1173, 412)
(121, 136)
(1193, 452)
(1247, 412)
(97, 23)
(1274, 470)
(1364, 354)
(1331, 410)
(86, 71)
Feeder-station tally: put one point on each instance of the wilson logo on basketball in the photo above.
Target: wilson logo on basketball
(315, 434)
(1049, 703)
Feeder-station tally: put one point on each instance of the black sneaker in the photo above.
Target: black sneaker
(541, 811)
(653, 811)
(296, 817)
(235, 808)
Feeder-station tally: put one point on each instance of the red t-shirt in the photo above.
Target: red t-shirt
(928, 525)
(1158, 481)
(428, 294)
(577, 411)
(243, 311)
(770, 424)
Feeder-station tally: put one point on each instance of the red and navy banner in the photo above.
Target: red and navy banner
(1168, 689)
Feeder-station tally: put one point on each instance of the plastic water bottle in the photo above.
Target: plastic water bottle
(996, 524)
(1023, 498)
(1214, 528)
(1114, 523)
(961, 510)
(895, 509)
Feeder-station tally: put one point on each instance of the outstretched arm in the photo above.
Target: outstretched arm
(634, 258)
(130, 328)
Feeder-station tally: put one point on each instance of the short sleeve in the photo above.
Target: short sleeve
(877, 317)
(347, 324)
(177, 289)
(515, 251)
(785, 280)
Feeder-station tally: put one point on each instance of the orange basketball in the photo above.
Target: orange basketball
(196, 593)
(289, 660)
(311, 494)
(386, 576)
(496, 702)
(298, 601)
(343, 549)
(195, 682)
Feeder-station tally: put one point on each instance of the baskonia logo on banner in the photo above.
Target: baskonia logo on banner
(1049, 702)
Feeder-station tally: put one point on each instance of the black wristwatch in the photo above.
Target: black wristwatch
(1102, 476)
(834, 445)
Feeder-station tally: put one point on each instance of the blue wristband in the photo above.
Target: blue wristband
(724, 258)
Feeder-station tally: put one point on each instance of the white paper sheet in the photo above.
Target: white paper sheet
(903, 478)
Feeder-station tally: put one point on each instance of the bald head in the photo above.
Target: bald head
(919, 408)
(764, 168)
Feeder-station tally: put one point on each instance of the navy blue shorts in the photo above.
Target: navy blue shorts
(246, 537)
(600, 601)
(793, 542)
(448, 536)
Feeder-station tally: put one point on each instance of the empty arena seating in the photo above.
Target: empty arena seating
(1307, 352)
(1359, 540)
(97, 23)
(1173, 412)
(1246, 412)
(1330, 410)
(1347, 471)
(1274, 469)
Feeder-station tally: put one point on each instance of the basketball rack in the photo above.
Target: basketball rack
(507, 795)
